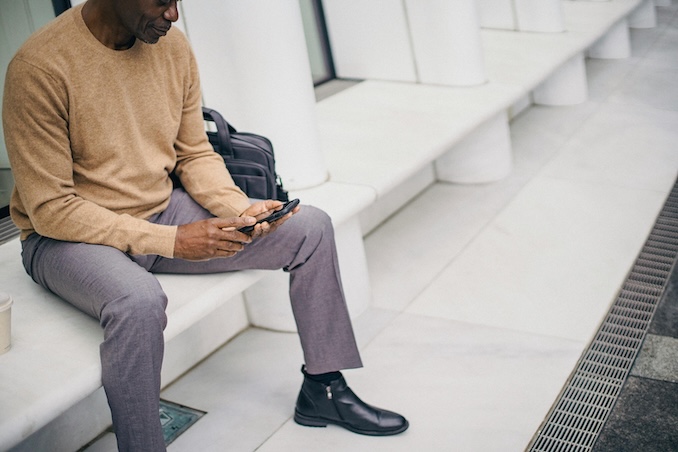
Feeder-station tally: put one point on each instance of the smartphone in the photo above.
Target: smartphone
(272, 215)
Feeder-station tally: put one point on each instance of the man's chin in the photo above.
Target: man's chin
(147, 40)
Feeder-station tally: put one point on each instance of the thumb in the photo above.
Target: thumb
(233, 222)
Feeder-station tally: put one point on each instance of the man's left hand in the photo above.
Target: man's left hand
(265, 228)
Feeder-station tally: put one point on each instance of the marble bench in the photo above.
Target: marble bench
(397, 137)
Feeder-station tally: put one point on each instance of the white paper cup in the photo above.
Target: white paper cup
(5, 322)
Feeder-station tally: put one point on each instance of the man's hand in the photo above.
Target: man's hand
(214, 237)
(261, 207)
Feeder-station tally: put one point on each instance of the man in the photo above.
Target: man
(100, 107)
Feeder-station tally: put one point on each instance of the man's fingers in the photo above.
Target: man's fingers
(233, 223)
(214, 237)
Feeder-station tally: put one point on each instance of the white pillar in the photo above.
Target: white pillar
(520, 106)
(369, 39)
(496, 14)
(446, 41)
(255, 71)
(268, 302)
(539, 15)
(483, 156)
(522, 15)
(615, 44)
(567, 85)
(644, 16)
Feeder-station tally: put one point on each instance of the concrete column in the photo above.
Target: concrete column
(644, 16)
(663, 2)
(483, 156)
(615, 44)
(539, 15)
(446, 41)
(567, 85)
(255, 71)
(497, 14)
(426, 41)
(370, 39)
(522, 15)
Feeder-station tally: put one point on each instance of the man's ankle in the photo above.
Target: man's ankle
(324, 378)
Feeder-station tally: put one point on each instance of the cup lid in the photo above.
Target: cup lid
(5, 300)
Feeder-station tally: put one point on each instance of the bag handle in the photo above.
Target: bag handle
(224, 130)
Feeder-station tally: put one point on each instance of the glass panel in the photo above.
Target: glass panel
(19, 19)
(316, 41)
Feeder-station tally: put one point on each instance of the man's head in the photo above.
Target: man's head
(147, 20)
(117, 23)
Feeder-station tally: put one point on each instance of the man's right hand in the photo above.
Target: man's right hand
(214, 237)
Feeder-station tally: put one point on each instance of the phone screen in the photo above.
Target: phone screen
(262, 216)
(273, 214)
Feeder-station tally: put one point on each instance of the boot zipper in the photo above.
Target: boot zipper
(329, 392)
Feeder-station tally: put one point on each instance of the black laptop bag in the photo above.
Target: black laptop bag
(248, 157)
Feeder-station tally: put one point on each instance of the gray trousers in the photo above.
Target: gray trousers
(121, 292)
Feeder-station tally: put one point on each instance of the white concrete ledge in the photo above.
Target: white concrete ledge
(395, 129)
(379, 134)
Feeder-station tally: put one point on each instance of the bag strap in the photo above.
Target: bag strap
(224, 130)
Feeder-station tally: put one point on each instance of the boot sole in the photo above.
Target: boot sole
(308, 421)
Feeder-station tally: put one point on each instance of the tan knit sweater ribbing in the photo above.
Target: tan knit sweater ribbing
(93, 133)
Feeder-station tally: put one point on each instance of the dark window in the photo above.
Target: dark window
(60, 6)
(317, 41)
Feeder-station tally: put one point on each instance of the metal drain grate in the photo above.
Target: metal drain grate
(7, 230)
(176, 419)
(579, 413)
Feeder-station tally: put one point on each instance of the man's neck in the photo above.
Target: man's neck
(102, 22)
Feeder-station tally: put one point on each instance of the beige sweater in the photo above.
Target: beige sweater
(93, 133)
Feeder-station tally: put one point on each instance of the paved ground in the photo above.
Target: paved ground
(645, 417)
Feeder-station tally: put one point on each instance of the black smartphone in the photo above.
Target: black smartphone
(272, 215)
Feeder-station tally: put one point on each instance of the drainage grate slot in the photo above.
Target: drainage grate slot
(621, 330)
(671, 208)
(624, 352)
(614, 339)
(608, 360)
(579, 413)
(662, 237)
(627, 322)
(654, 265)
(652, 268)
(658, 253)
(629, 309)
(7, 230)
(585, 399)
(663, 249)
(640, 289)
(661, 259)
(666, 227)
(647, 279)
(592, 369)
(596, 385)
(634, 302)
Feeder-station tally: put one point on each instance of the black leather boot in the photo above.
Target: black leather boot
(319, 404)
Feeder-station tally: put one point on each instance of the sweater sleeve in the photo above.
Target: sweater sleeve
(201, 170)
(36, 125)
